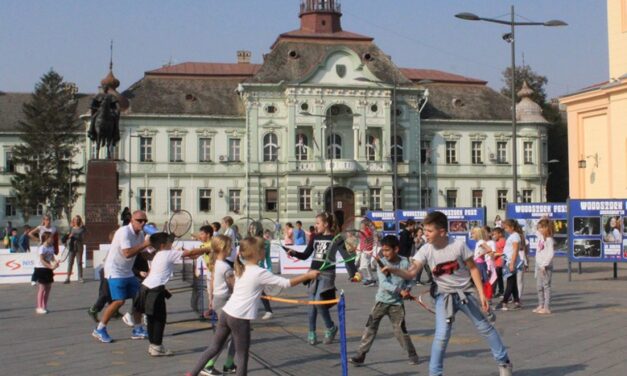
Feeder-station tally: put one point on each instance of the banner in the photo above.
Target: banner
(528, 215)
(597, 230)
(19, 267)
(384, 222)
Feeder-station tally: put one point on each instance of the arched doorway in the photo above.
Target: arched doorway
(343, 206)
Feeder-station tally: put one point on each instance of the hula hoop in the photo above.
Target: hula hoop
(297, 301)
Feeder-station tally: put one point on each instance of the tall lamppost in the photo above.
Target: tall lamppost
(510, 38)
(329, 123)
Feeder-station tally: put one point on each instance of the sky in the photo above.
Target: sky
(73, 36)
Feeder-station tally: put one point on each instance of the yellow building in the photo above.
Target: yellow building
(597, 122)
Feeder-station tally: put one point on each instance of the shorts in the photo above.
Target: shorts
(43, 275)
(123, 288)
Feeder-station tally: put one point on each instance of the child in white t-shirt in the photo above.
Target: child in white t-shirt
(250, 281)
(44, 265)
(221, 287)
(152, 294)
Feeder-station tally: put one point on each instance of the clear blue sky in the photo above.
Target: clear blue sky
(72, 36)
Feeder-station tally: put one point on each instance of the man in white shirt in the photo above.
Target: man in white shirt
(127, 242)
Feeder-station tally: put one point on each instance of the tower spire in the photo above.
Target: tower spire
(111, 56)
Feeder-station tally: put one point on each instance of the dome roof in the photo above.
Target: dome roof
(110, 80)
(528, 111)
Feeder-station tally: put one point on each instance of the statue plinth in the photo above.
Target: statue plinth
(102, 203)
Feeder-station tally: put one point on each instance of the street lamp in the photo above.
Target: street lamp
(329, 123)
(510, 38)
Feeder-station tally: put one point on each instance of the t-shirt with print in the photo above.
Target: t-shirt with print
(222, 271)
(509, 246)
(320, 247)
(448, 265)
(117, 265)
(47, 252)
(161, 268)
(480, 251)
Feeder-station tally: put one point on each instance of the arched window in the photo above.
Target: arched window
(270, 147)
(398, 145)
(334, 146)
(302, 146)
(371, 147)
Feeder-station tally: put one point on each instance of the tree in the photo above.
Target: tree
(50, 135)
(557, 134)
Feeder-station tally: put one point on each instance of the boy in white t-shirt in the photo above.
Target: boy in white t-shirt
(152, 293)
(455, 273)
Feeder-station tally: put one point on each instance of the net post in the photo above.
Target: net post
(341, 312)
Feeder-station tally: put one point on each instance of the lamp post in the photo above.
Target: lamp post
(510, 38)
(329, 123)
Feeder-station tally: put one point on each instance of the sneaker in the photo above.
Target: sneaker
(81, 280)
(227, 370)
(544, 311)
(210, 371)
(537, 309)
(312, 339)
(371, 283)
(358, 360)
(128, 319)
(501, 307)
(102, 335)
(93, 314)
(41, 311)
(139, 333)
(515, 307)
(155, 350)
(329, 335)
(267, 316)
(505, 369)
(413, 360)
(67, 281)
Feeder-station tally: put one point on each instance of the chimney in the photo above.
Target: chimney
(243, 57)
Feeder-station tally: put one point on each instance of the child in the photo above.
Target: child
(498, 236)
(364, 251)
(299, 234)
(227, 223)
(388, 302)
(221, 289)
(152, 294)
(288, 235)
(250, 280)
(544, 265)
(43, 274)
(256, 229)
(202, 273)
(323, 287)
(482, 249)
(513, 265)
(454, 273)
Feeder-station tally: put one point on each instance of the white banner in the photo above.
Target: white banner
(19, 267)
(291, 265)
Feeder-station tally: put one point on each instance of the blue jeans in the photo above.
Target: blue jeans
(313, 314)
(472, 309)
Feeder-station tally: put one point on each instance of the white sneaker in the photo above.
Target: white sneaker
(128, 319)
(41, 311)
(267, 316)
(154, 350)
(505, 369)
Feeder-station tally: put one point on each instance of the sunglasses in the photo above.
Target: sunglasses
(141, 220)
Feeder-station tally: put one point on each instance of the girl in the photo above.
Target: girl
(221, 290)
(152, 294)
(250, 280)
(288, 235)
(323, 287)
(43, 274)
(75, 245)
(544, 265)
(482, 249)
(256, 229)
(513, 264)
(498, 236)
(364, 252)
(46, 226)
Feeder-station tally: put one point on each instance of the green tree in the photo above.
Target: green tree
(557, 140)
(51, 134)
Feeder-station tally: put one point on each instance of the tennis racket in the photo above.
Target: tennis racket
(179, 224)
(377, 259)
(425, 301)
(270, 226)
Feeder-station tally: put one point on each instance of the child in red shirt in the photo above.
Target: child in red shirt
(498, 236)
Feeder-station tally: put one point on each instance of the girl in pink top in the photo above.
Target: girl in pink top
(288, 238)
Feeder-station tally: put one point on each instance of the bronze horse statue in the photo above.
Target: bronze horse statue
(104, 127)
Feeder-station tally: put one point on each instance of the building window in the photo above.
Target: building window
(375, 199)
(302, 143)
(501, 199)
(204, 150)
(425, 198)
(451, 152)
(528, 152)
(234, 149)
(38, 210)
(204, 200)
(145, 149)
(304, 199)
(334, 148)
(271, 200)
(176, 149)
(398, 147)
(270, 147)
(451, 198)
(10, 207)
(234, 200)
(476, 151)
(477, 198)
(527, 195)
(371, 149)
(176, 199)
(145, 200)
(501, 152)
(9, 166)
(425, 152)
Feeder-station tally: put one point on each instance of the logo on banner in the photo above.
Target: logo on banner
(13, 265)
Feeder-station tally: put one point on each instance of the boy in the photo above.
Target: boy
(389, 302)
(23, 241)
(454, 272)
(407, 239)
(299, 234)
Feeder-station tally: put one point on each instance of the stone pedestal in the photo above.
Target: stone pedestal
(102, 204)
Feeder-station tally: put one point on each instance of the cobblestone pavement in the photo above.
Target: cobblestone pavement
(586, 335)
